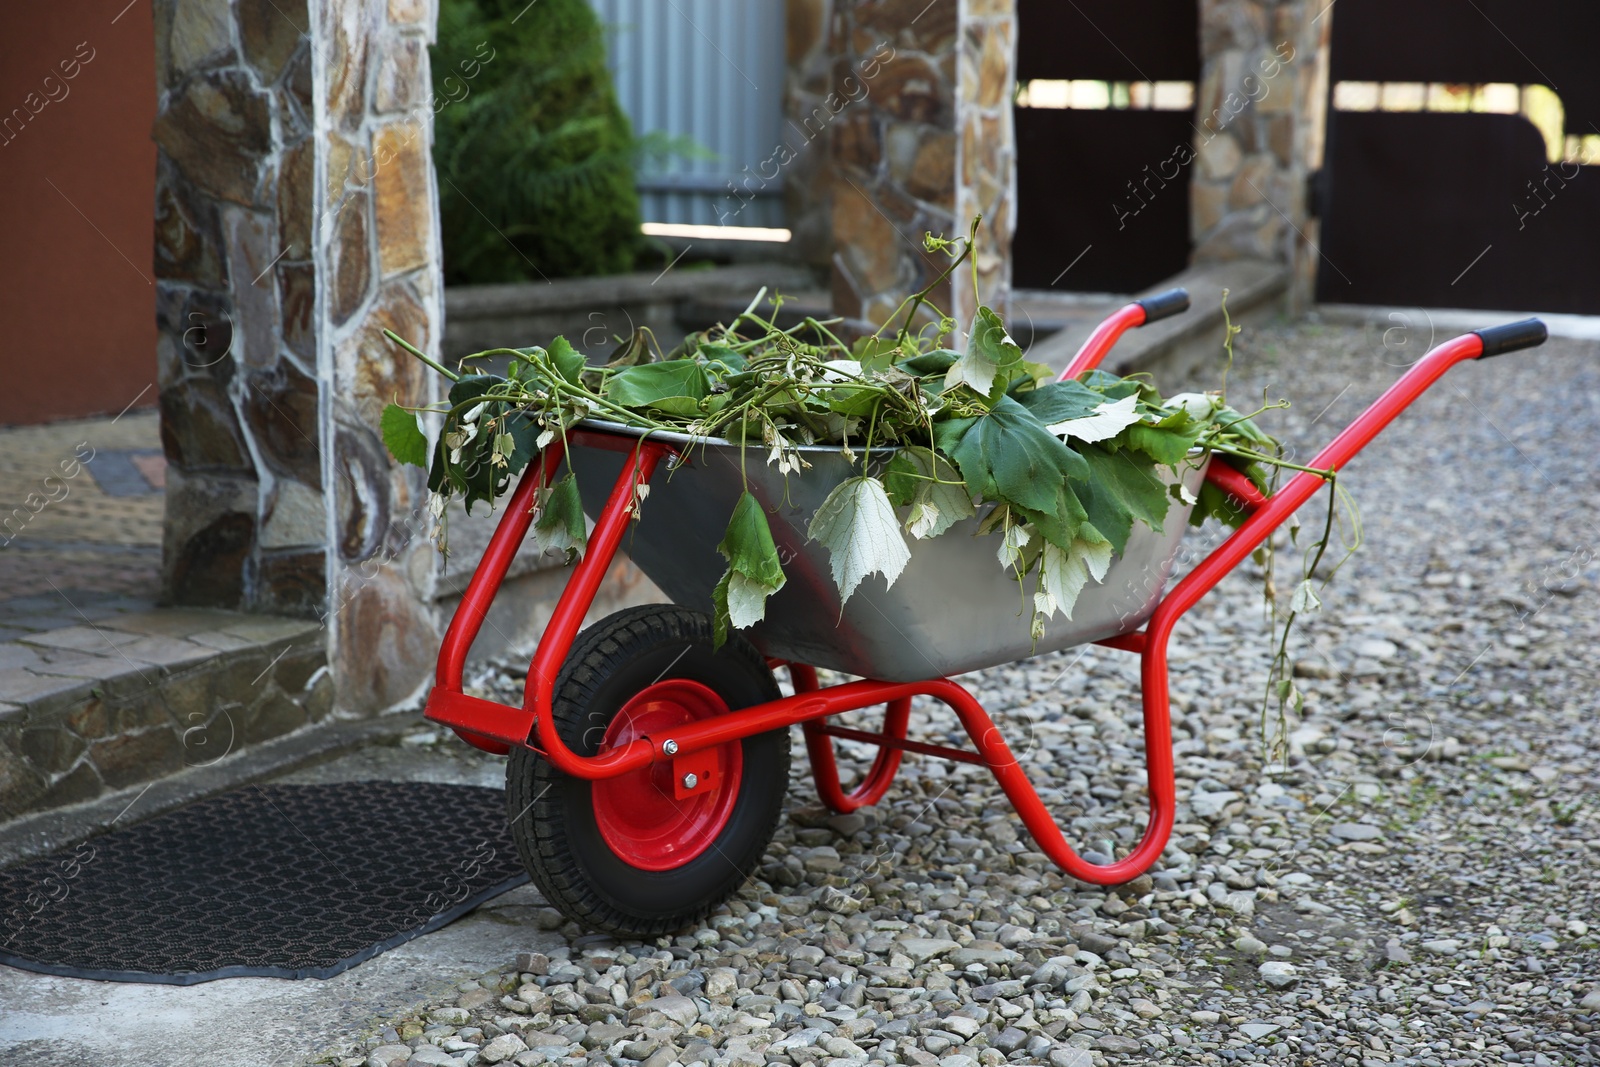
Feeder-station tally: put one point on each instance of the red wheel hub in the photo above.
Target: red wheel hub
(651, 818)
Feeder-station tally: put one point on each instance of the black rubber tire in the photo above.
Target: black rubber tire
(552, 820)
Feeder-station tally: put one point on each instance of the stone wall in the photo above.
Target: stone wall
(296, 221)
(916, 103)
(1259, 124)
(987, 174)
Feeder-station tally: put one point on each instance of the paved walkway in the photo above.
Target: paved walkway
(80, 540)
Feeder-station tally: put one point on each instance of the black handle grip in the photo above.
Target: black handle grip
(1529, 333)
(1163, 305)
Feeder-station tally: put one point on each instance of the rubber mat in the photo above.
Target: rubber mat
(281, 881)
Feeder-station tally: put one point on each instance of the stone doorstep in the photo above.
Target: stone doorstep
(40, 832)
(124, 701)
(1256, 290)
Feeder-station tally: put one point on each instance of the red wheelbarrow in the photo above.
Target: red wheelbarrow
(648, 768)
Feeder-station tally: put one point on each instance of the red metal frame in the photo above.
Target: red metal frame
(496, 727)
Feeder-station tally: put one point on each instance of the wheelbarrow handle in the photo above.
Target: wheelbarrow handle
(1140, 312)
(1164, 305)
(1512, 337)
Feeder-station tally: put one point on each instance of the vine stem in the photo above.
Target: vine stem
(1244, 453)
(415, 351)
(916, 299)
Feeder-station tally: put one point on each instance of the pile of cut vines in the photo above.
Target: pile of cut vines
(1058, 472)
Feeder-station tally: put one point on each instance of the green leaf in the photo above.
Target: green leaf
(990, 350)
(1064, 524)
(677, 405)
(857, 525)
(1122, 488)
(900, 479)
(1238, 424)
(1165, 446)
(754, 570)
(560, 525)
(877, 353)
(939, 361)
(1109, 385)
(473, 386)
(403, 436)
(1060, 401)
(732, 361)
(641, 386)
(748, 547)
(568, 361)
(1216, 503)
(1008, 455)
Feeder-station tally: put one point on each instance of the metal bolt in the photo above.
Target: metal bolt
(690, 781)
(670, 747)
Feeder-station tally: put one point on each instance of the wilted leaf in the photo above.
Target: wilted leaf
(1012, 543)
(1305, 600)
(1105, 421)
(857, 525)
(938, 500)
(1063, 574)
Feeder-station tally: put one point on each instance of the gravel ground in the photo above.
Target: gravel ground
(1417, 885)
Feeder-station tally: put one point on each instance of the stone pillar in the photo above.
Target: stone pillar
(918, 112)
(987, 182)
(235, 279)
(295, 221)
(378, 236)
(1259, 123)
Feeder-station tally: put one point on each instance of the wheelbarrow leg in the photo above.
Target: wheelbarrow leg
(819, 746)
(1013, 780)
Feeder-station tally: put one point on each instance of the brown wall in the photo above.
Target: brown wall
(77, 194)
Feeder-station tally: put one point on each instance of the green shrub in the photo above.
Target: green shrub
(535, 157)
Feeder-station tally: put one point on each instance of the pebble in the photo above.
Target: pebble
(1278, 974)
(1355, 831)
(502, 1048)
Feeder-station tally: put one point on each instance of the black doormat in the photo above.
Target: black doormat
(277, 881)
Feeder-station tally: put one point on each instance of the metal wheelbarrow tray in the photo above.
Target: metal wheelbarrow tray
(648, 770)
(952, 610)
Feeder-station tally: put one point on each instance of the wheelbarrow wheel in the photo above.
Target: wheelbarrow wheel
(652, 851)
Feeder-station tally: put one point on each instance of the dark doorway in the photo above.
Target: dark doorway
(1462, 199)
(1102, 194)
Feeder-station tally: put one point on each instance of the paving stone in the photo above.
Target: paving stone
(18, 686)
(98, 640)
(166, 651)
(172, 622)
